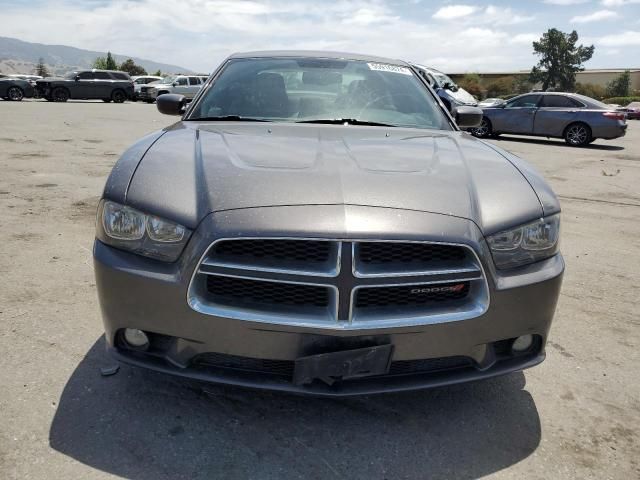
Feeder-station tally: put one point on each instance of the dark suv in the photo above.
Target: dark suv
(105, 85)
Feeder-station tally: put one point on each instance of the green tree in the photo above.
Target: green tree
(105, 63)
(41, 68)
(621, 86)
(501, 86)
(157, 73)
(131, 68)
(560, 59)
(100, 63)
(521, 84)
(111, 63)
(472, 83)
(591, 90)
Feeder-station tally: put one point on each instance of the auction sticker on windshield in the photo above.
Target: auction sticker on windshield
(382, 67)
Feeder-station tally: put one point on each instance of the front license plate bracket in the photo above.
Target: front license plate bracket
(343, 365)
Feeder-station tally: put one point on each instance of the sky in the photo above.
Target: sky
(453, 36)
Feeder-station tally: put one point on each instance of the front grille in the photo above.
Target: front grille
(230, 290)
(319, 282)
(280, 250)
(234, 362)
(144, 89)
(284, 368)
(406, 367)
(380, 253)
(410, 296)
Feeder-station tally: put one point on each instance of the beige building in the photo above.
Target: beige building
(597, 76)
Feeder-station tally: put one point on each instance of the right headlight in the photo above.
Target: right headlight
(526, 244)
(129, 229)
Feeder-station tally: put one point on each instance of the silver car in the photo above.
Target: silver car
(186, 85)
(578, 119)
(318, 223)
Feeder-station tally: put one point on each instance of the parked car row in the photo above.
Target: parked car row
(95, 84)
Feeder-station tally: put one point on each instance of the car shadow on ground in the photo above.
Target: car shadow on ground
(143, 425)
(557, 143)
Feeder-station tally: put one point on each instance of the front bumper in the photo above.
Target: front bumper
(136, 292)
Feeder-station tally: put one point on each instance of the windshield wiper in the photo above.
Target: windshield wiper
(229, 118)
(348, 121)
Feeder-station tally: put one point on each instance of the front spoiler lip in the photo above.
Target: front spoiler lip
(364, 386)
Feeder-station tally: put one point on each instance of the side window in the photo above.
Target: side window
(141, 81)
(181, 81)
(559, 101)
(120, 76)
(194, 81)
(575, 103)
(528, 101)
(102, 76)
(86, 75)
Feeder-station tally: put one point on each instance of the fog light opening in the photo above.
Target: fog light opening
(522, 344)
(135, 338)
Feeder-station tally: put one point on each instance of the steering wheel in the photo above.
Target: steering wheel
(389, 95)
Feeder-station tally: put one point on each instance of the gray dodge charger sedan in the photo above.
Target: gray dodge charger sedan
(578, 119)
(318, 223)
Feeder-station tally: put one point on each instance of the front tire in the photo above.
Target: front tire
(60, 94)
(118, 96)
(15, 94)
(485, 130)
(577, 135)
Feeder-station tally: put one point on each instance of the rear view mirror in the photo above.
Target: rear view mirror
(171, 104)
(468, 117)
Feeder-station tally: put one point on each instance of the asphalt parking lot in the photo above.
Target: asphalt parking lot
(575, 416)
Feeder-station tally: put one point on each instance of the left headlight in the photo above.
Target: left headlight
(129, 229)
(526, 244)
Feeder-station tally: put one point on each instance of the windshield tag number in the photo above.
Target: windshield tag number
(381, 67)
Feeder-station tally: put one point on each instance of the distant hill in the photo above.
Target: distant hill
(16, 56)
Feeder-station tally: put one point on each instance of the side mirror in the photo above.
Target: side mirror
(174, 84)
(171, 104)
(77, 77)
(468, 117)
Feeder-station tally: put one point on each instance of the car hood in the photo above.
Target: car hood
(462, 96)
(195, 168)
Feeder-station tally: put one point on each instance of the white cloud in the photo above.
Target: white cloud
(525, 38)
(624, 39)
(565, 2)
(594, 17)
(618, 3)
(451, 12)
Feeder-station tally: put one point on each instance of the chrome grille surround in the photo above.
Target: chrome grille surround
(343, 276)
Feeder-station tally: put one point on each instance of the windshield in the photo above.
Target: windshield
(71, 75)
(168, 80)
(442, 79)
(312, 89)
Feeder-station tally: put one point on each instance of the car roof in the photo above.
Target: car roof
(318, 54)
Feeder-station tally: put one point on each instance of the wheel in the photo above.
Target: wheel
(106, 100)
(118, 96)
(484, 130)
(60, 94)
(577, 135)
(15, 94)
